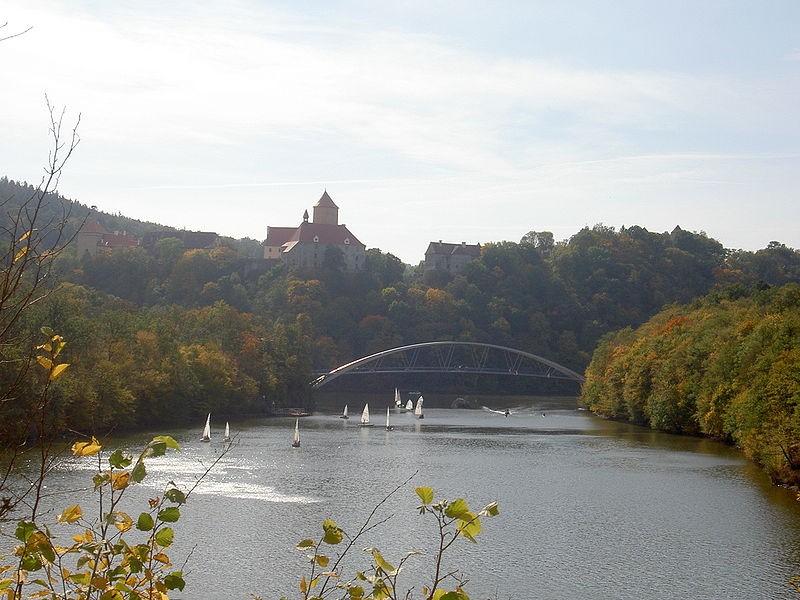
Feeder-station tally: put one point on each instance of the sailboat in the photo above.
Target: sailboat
(418, 409)
(344, 413)
(227, 436)
(296, 436)
(365, 416)
(388, 427)
(207, 430)
(409, 405)
(398, 403)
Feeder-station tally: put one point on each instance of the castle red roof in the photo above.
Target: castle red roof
(119, 240)
(326, 201)
(94, 227)
(309, 233)
(278, 236)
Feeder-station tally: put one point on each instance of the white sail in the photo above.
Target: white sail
(365, 415)
(409, 405)
(397, 401)
(207, 430)
(296, 436)
(227, 437)
(388, 427)
(344, 413)
(418, 409)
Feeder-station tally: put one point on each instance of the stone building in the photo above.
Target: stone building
(305, 246)
(94, 238)
(451, 258)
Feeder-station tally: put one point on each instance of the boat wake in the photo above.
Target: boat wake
(497, 412)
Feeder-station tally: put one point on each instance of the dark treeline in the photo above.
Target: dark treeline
(164, 334)
(726, 366)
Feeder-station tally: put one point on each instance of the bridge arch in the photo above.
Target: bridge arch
(453, 357)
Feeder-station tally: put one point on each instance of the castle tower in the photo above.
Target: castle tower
(325, 211)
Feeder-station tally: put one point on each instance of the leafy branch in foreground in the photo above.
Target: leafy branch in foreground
(381, 580)
(102, 562)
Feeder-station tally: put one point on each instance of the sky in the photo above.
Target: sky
(457, 121)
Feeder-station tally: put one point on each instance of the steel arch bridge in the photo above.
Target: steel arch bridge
(452, 357)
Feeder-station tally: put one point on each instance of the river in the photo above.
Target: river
(588, 508)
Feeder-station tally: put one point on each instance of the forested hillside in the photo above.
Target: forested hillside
(726, 366)
(168, 333)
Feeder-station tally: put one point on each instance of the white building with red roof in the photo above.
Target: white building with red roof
(305, 246)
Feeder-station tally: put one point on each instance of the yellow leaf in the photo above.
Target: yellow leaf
(119, 481)
(161, 557)
(86, 448)
(57, 371)
(46, 363)
(25, 236)
(123, 522)
(70, 515)
(322, 560)
(21, 253)
(303, 585)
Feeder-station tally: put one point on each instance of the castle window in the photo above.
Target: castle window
(316, 239)
(346, 241)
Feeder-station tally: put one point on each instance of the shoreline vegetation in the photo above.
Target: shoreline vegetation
(726, 366)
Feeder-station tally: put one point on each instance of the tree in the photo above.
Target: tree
(543, 240)
(35, 239)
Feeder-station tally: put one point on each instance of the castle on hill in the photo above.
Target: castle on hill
(305, 246)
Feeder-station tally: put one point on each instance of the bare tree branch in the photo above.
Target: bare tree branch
(13, 35)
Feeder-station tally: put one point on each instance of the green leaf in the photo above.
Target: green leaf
(164, 537)
(30, 562)
(169, 515)
(455, 595)
(379, 560)
(46, 550)
(135, 565)
(174, 581)
(48, 331)
(333, 535)
(356, 592)
(168, 441)
(457, 509)
(380, 591)
(24, 530)
(99, 479)
(118, 460)
(156, 448)
(322, 560)
(80, 578)
(470, 527)
(425, 494)
(138, 472)
(145, 522)
(176, 496)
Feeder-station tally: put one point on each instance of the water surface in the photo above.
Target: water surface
(589, 508)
